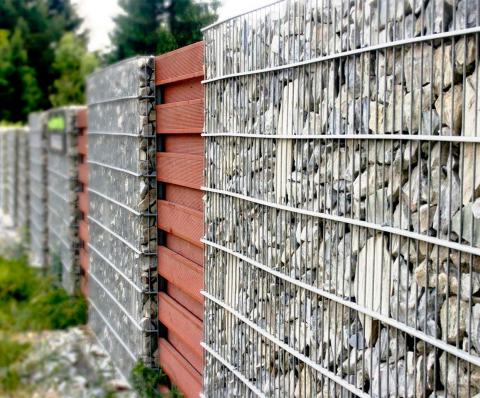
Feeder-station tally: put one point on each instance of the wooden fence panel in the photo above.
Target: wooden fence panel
(180, 214)
(82, 119)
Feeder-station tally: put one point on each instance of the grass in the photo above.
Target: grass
(145, 381)
(30, 301)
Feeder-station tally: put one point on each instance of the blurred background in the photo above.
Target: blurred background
(47, 48)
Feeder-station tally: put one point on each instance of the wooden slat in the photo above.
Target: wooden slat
(189, 197)
(180, 169)
(83, 144)
(182, 322)
(181, 272)
(184, 90)
(180, 221)
(82, 119)
(184, 143)
(83, 173)
(84, 263)
(180, 372)
(181, 64)
(192, 305)
(184, 248)
(83, 202)
(180, 117)
(176, 340)
(83, 231)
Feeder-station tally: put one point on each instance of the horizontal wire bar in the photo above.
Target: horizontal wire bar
(124, 345)
(366, 224)
(137, 213)
(62, 218)
(116, 134)
(89, 161)
(118, 303)
(116, 368)
(407, 137)
(62, 241)
(95, 250)
(58, 194)
(208, 27)
(65, 177)
(127, 243)
(118, 99)
(381, 46)
(354, 306)
(332, 376)
(232, 369)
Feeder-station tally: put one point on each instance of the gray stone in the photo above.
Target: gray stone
(371, 282)
(453, 318)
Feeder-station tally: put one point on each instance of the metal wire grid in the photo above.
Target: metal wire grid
(341, 200)
(11, 178)
(38, 189)
(122, 217)
(23, 183)
(62, 204)
(3, 170)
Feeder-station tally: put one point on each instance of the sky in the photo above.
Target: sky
(98, 16)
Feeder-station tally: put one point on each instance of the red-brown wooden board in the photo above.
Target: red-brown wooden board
(82, 119)
(180, 371)
(180, 214)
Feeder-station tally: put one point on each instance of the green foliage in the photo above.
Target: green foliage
(159, 26)
(19, 91)
(29, 34)
(31, 301)
(73, 63)
(11, 352)
(145, 382)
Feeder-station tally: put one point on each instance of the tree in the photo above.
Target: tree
(159, 26)
(38, 25)
(19, 91)
(72, 63)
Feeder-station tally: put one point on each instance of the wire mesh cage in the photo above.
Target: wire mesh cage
(342, 200)
(122, 216)
(23, 206)
(38, 249)
(10, 175)
(62, 196)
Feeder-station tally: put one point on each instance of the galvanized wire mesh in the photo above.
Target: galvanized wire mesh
(342, 200)
(63, 212)
(122, 216)
(3, 169)
(38, 190)
(23, 206)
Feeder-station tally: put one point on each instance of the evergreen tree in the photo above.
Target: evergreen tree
(38, 26)
(159, 26)
(73, 63)
(19, 91)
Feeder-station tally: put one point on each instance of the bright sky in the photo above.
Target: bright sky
(98, 16)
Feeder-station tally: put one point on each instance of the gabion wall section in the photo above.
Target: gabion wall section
(62, 200)
(10, 175)
(122, 215)
(3, 169)
(342, 203)
(38, 189)
(23, 205)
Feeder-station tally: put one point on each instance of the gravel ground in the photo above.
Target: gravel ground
(68, 364)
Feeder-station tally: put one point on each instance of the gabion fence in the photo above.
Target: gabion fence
(38, 189)
(3, 169)
(342, 200)
(23, 205)
(9, 142)
(62, 202)
(122, 215)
